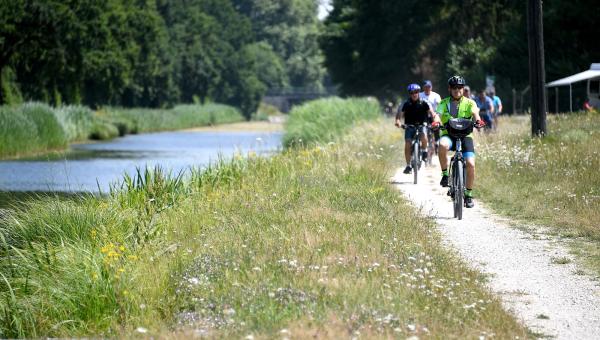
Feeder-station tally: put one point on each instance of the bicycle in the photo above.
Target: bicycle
(458, 128)
(432, 146)
(415, 160)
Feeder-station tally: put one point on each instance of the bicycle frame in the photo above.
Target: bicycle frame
(458, 179)
(416, 150)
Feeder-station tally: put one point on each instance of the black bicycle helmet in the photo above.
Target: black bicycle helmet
(456, 80)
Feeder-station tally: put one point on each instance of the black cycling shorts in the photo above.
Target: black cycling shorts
(468, 145)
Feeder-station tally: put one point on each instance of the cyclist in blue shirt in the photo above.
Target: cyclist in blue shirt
(486, 108)
(497, 107)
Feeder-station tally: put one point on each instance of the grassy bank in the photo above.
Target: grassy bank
(311, 242)
(553, 181)
(36, 128)
(322, 121)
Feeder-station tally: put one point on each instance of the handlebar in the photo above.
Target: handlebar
(404, 126)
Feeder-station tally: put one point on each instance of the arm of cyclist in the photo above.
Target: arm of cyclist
(399, 116)
(478, 121)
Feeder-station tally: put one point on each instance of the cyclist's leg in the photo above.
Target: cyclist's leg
(409, 134)
(423, 142)
(468, 147)
(407, 151)
(444, 147)
(423, 137)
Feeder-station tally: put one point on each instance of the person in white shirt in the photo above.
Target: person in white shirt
(433, 99)
(429, 96)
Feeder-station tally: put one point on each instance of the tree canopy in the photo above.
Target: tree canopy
(377, 47)
(156, 53)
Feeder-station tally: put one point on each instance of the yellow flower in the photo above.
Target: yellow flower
(94, 276)
(122, 248)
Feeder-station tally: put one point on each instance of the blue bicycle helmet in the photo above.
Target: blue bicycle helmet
(414, 87)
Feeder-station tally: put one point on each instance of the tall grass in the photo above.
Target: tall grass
(553, 181)
(29, 128)
(34, 127)
(308, 242)
(321, 121)
(180, 117)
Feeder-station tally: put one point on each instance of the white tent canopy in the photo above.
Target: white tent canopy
(593, 72)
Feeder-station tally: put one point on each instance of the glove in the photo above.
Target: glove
(479, 124)
(435, 125)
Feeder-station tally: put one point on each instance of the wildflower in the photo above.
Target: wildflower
(141, 330)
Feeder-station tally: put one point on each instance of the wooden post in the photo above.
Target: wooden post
(537, 78)
(570, 98)
(514, 108)
(556, 99)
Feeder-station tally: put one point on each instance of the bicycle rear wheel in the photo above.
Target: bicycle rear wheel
(459, 189)
(415, 160)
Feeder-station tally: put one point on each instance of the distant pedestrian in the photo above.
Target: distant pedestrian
(467, 93)
(433, 99)
(497, 107)
(486, 108)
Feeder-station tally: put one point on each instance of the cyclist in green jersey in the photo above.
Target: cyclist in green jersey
(458, 106)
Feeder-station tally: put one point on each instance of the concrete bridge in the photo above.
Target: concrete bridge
(285, 98)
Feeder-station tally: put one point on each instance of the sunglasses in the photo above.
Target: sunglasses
(456, 87)
(414, 92)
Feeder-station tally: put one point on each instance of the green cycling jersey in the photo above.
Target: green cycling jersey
(466, 108)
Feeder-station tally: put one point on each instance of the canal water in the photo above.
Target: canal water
(94, 167)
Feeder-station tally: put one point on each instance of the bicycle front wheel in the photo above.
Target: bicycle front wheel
(459, 189)
(415, 161)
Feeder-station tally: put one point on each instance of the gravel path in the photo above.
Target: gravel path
(547, 296)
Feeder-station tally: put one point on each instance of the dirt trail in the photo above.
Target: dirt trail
(547, 296)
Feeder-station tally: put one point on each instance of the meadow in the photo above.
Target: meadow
(551, 181)
(310, 242)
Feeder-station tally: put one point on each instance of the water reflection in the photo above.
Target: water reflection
(93, 167)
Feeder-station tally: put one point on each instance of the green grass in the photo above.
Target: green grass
(179, 117)
(29, 128)
(34, 128)
(313, 241)
(321, 121)
(553, 181)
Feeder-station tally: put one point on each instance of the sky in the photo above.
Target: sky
(324, 8)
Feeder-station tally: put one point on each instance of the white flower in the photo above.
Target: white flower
(141, 330)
